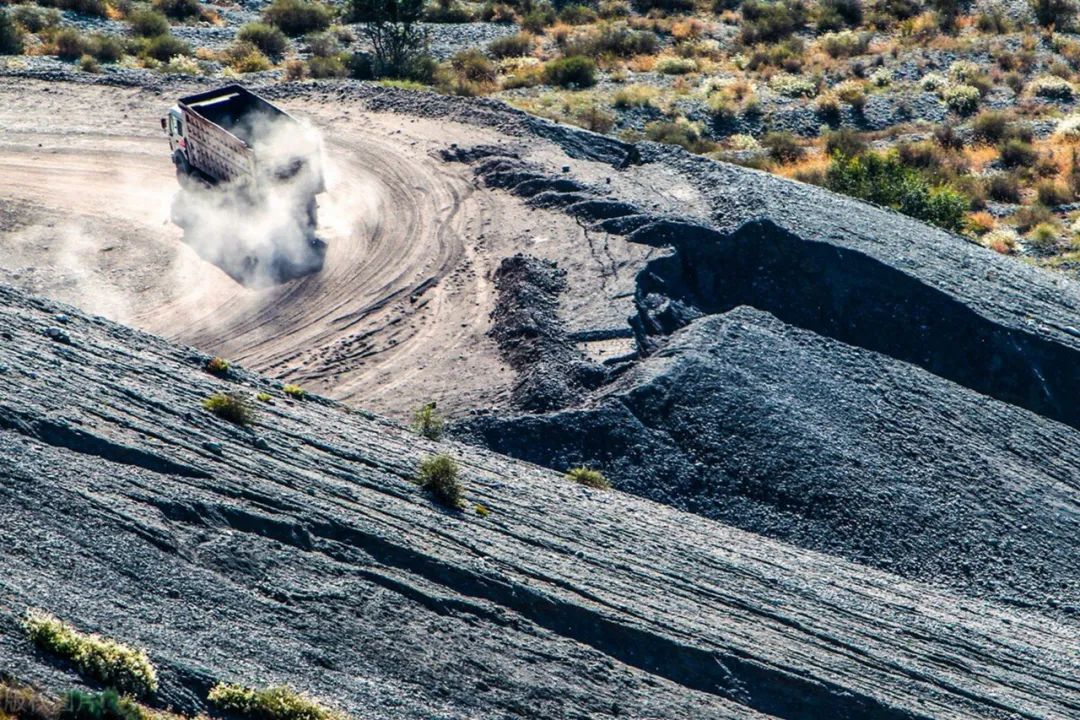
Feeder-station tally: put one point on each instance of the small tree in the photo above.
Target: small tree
(1059, 13)
(439, 476)
(392, 26)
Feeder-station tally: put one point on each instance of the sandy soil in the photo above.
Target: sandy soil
(398, 315)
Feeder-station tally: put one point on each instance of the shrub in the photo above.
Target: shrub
(88, 63)
(108, 705)
(361, 66)
(1052, 87)
(84, 7)
(881, 78)
(231, 407)
(298, 17)
(990, 126)
(1002, 240)
(782, 147)
(11, 42)
(166, 47)
(106, 48)
(845, 142)
(272, 703)
(667, 6)
(1043, 236)
(577, 15)
(845, 43)
(217, 366)
(267, 38)
(294, 391)
(574, 71)
(883, 179)
(835, 14)
(448, 11)
(613, 39)
(851, 92)
(439, 476)
(474, 66)
(26, 703)
(179, 9)
(332, 66)
(634, 96)
(1003, 187)
(680, 132)
(1059, 13)
(1052, 194)
(182, 65)
(428, 422)
(1017, 153)
(70, 43)
(517, 45)
(539, 18)
(148, 23)
(961, 99)
(33, 19)
(933, 82)
(770, 20)
(115, 665)
(675, 66)
(793, 85)
(589, 478)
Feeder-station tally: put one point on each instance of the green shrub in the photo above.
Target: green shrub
(538, 18)
(852, 92)
(269, 39)
(589, 478)
(1015, 153)
(574, 71)
(577, 15)
(244, 57)
(995, 21)
(33, 19)
(1003, 187)
(448, 11)
(272, 703)
(333, 66)
(84, 7)
(845, 43)
(11, 42)
(680, 132)
(231, 407)
(88, 63)
(666, 6)
(439, 476)
(166, 47)
(108, 705)
(473, 66)
(885, 180)
(361, 66)
(298, 17)
(148, 23)
(1059, 13)
(518, 45)
(990, 126)
(179, 9)
(782, 146)
(294, 391)
(675, 66)
(614, 39)
(217, 366)
(961, 99)
(1051, 193)
(844, 142)
(428, 422)
(771, 20)
(1052, 87)
(793, 85)
(1044, 235)
(115, 665)
(835, 14)
(70, 43)
(106, 48)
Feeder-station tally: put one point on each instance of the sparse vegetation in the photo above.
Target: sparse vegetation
(271, 703)
(217, 366)
(231, 407)
(427, 422)
(588, 477)
(294, 391)
(439, 475)
(11, 41)
(111, 663)
(270, 41)
(298, 17)
(107, 705)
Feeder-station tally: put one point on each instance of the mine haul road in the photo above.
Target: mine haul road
(397, 316)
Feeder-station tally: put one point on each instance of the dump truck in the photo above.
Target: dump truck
(247, 160)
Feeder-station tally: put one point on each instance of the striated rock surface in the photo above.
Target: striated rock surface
(298, 550)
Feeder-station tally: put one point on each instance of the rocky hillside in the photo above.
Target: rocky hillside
(297, 550)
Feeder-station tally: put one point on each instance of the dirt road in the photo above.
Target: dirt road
(398, 315)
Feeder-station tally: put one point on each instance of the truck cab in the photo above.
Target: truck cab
(173, 125)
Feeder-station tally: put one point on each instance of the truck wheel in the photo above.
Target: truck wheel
(183, 167)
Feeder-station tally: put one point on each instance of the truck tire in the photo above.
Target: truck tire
(183, 167)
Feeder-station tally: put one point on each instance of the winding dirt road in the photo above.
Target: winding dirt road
(399, 313)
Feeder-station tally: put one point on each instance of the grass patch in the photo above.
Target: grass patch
(428, 422)
(589, 478)
(231, 407)
(118, 666)
(217, 366)
(439, 475)
(294, 391)
(271, 703)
